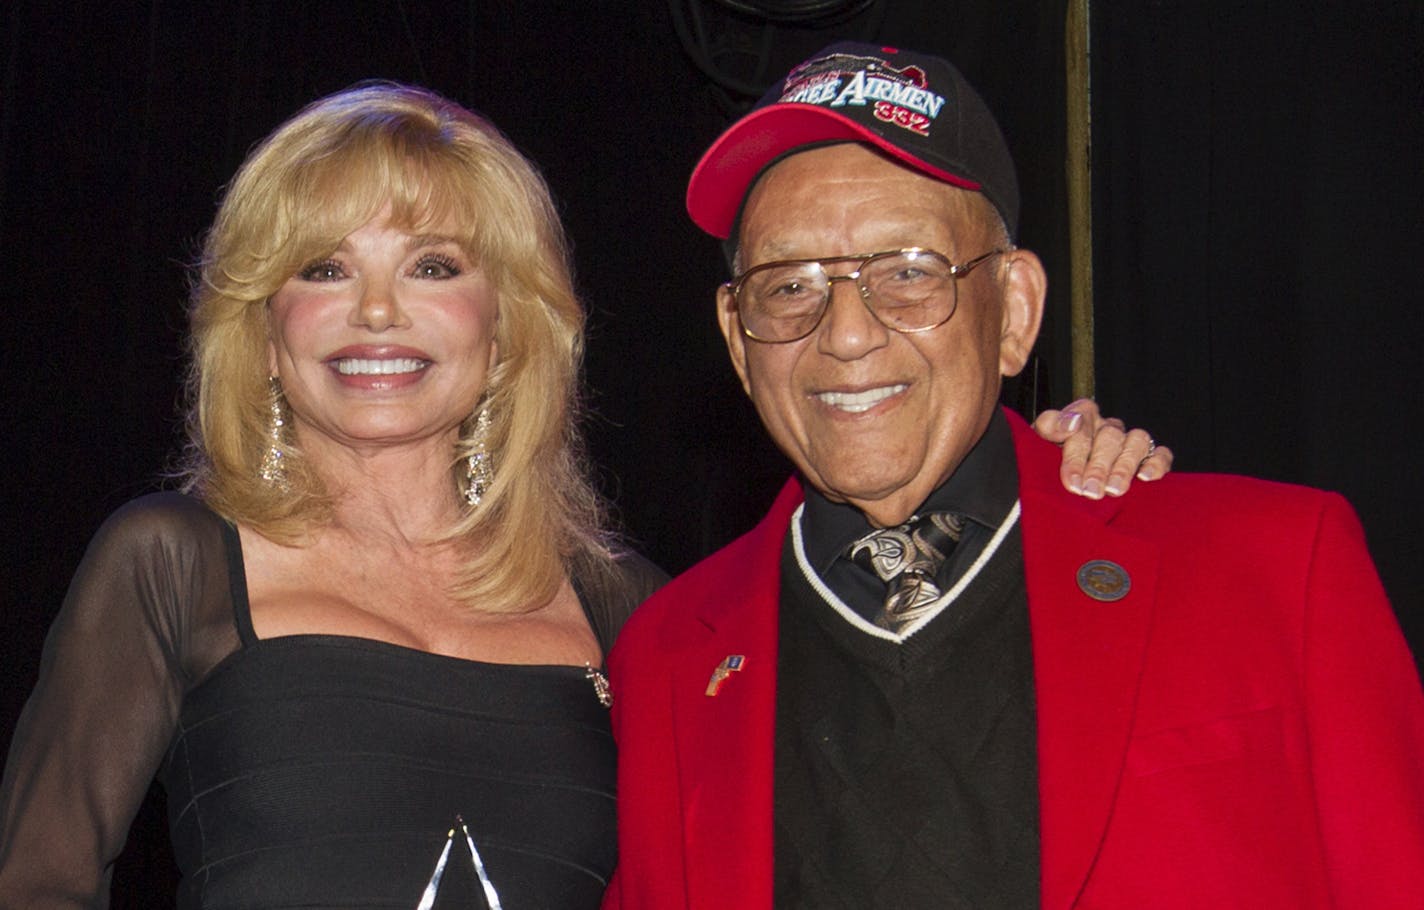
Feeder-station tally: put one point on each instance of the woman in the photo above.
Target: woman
(389, 626)
(360, 651)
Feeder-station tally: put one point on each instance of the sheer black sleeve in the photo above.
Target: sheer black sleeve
(148, 615)
(610, 591)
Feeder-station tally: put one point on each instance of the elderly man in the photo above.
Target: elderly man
(930, 677)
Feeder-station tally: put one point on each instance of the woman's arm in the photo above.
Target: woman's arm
(1100, 455)
(103, 711)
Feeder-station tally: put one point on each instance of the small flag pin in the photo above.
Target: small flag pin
(730, 664)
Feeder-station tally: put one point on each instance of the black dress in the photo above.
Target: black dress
(303, 771)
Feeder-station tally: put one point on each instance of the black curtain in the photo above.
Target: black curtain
(1259, 189)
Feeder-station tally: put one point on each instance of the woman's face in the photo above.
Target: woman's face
(387, 341)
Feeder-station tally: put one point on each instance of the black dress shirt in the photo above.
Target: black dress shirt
(983, 489)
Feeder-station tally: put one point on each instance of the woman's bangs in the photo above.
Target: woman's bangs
(435, 194)
(329, 199)
(419, 188)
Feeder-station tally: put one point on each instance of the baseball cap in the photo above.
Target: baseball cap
(917, 108)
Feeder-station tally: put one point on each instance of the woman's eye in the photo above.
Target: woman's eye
(435, 266)
(323, 270)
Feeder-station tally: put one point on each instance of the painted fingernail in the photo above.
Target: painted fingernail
(1075, 483)
(1068, 421)
(1093, 489)
(1114, 487)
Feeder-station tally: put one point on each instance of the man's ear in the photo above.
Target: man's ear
(1024, 286)
(732, 332)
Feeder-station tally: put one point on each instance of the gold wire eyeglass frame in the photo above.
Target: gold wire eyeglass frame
(863, 261)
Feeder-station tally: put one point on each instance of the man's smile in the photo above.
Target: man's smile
(859, 402)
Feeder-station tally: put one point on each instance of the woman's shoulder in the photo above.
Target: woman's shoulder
(166, 522)
(611, 586)
(637, 575)
(163, 509)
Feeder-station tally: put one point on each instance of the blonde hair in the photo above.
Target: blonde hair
(322, 175)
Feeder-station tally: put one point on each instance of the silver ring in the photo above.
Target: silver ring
(1151, 447)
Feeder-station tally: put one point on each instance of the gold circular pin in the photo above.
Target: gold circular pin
(1103, 580)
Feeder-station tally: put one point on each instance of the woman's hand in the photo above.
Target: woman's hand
(1100, 455)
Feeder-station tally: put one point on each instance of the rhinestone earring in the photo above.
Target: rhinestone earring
(479, 467)
(273, 469)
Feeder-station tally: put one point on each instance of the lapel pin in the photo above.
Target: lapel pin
(730, 664)
(1103, 580)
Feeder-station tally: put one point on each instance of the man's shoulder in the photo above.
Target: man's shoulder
(1190, 496)
(1228, 519)
(1180, 498)
(746, 568)
(679, 599)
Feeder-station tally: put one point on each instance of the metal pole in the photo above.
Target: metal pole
(1080, 194)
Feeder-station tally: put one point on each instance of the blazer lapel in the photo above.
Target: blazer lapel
(725, 741)
(1088, 659)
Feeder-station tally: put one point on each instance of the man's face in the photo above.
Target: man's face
(870, 416)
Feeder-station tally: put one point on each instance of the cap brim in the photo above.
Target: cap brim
(724, 175)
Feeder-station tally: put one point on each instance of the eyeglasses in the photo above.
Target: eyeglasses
(911, 290)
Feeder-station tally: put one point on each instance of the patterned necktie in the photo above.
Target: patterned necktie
(907, 559)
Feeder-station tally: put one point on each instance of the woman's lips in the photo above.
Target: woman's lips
(365, 366)
(378, 366)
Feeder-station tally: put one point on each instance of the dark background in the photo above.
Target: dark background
(1257, 187)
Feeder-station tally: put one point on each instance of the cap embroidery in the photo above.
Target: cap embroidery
(900, 96)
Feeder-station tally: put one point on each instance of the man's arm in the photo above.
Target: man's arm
(1365, 717)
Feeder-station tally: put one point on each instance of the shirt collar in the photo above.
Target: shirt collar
(983, 489)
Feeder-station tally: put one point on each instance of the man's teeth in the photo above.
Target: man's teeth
(352, 366)
(856, 402)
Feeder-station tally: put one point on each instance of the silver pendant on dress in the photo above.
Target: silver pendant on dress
(427, 900)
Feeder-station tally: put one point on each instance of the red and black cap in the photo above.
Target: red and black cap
(914, 107)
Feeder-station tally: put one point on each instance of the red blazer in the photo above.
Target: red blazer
(1244, 728)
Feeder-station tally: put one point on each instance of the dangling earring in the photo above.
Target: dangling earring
(273, 469)
(479, 467)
